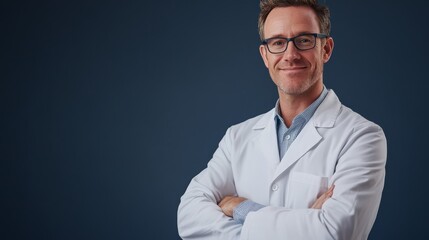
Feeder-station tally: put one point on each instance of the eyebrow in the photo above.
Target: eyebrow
(283, 36)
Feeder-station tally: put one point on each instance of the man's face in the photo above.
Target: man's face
(295, 72)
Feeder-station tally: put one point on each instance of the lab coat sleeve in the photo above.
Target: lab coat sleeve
(350, 213)
(199, 216)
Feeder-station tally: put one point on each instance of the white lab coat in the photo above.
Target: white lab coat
(337, 146)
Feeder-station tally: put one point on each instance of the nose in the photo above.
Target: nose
(291, 53)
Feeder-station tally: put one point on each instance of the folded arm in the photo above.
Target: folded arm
(348, 213)
(199, 216)
(352, 209)
(239, 207)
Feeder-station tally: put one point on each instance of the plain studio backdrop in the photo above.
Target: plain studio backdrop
(109, 108)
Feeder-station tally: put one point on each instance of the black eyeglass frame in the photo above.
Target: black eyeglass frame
(316, 35)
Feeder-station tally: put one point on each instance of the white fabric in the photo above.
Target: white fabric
(337, 146)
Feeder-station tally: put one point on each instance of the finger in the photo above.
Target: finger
(224, 200)
(330, 191)
(317, 204)
(225, 206)
(322, 199)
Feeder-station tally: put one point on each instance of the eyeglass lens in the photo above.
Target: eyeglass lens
(303, 42)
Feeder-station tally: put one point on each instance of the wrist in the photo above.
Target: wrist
(240, 211)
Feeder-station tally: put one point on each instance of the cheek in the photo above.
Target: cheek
(317, 62)
(272, 62)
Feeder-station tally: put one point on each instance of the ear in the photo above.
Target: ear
(263, 52)
(327, 49)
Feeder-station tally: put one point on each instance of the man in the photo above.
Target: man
(310, 168)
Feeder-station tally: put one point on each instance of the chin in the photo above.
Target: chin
(293, 88)
(292, 91)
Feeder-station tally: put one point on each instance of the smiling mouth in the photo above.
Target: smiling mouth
(292, 68)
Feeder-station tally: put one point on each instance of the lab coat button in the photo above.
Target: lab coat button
(275, 187)
(287, 137)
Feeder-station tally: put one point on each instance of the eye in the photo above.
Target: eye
(277, 42)
(304, 39)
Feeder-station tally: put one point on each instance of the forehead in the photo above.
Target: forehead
(290, 21)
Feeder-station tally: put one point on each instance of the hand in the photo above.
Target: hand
(322, 199)
(228, 203)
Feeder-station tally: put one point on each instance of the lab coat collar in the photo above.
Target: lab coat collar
(324, 117)
(328, 111)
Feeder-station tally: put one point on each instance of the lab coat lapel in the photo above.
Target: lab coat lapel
(267, 140)
(309, 137)
(305, 141)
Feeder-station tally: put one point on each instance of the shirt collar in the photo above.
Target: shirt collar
(304, 116)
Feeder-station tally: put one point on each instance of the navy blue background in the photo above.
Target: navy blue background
(109, 108)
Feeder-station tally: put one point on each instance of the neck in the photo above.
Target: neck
(292, 105)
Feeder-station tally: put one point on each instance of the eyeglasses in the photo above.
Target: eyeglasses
(303, 41)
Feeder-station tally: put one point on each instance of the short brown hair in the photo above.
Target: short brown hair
(321, 11)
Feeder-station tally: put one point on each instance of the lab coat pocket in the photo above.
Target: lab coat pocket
(304, 188)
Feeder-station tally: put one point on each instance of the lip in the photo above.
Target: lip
(297, 68)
